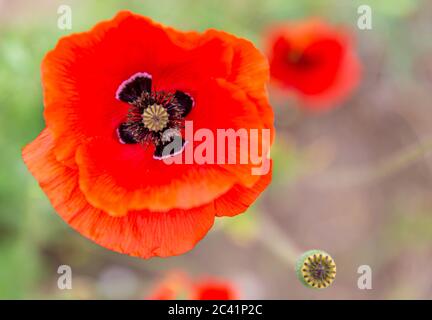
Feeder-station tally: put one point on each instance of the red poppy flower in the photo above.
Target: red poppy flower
(315, 60)
(214, 289)
(108, 95)
(179, 286)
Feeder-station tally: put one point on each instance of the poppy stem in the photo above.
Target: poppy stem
(276, 241)
(357, 176)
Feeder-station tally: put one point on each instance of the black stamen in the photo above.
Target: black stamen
(154, 116)
(169, 148)
(125, 134)
(185, 101)
(130, 90)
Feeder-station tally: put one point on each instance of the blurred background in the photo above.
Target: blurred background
(355, 181)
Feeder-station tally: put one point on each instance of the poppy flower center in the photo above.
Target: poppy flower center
(155, 117)
(302, 60)
(151, 114)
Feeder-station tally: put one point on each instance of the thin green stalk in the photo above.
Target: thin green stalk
(385, 168)
(276, 241)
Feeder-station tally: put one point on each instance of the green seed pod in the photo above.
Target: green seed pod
(316, 269)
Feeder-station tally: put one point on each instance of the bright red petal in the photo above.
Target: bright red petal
(239, 198)
(82, 74)
(140, 233)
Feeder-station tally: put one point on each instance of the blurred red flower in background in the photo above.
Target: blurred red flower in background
(177, 286)
(108, 95)
(214, 289)
(314, 60)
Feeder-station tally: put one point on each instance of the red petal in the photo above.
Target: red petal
(141, 233)
(239, 198)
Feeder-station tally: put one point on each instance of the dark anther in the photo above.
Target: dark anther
(169, 148)
(125, 134)
(131, 89)
(153, 115)
(185, 101)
